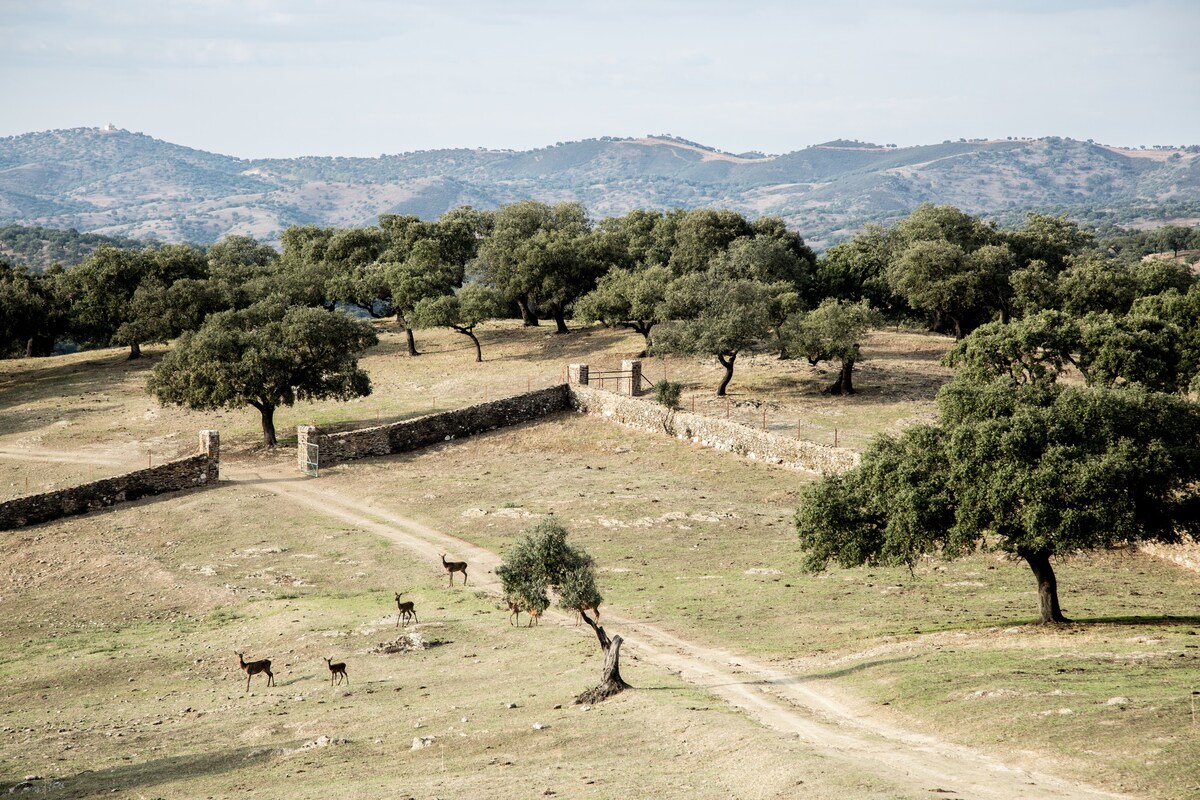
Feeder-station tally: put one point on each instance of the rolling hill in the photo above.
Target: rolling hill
(118, 183)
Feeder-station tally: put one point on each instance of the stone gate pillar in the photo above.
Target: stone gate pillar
(210, 445)
(303, 434)
(577, 374)
(631, 378)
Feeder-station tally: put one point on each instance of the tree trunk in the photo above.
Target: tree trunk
(727, 363)
(560, 318)
(1039, 562)
(135, 351)
(844, 385)
(644, 329)
(408, 334)
(471, 333)
(611, 682)
(268, 424)
(528, 318)
(29, 347)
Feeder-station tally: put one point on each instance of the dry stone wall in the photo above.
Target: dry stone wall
(413, 434)
(719, 434)
(183, 473)
(1186, 554)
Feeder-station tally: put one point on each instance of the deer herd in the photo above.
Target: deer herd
(406, 610)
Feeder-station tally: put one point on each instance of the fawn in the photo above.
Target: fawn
(406, 610)
(338, 670)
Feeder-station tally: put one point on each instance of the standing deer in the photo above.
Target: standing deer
(337, 669)
(406, 610)
(254, 667)
(579, 612)
(535, 616)
(453, 567)
(514, 610)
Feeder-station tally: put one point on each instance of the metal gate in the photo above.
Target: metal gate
(311, 460)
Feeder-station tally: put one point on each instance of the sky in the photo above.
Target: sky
(284, 78)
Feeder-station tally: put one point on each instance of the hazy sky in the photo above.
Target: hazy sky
(256, 78)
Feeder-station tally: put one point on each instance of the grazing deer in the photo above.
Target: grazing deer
(535, 615)
(254, 667)
(406, 610)
(338, 670)
(579, 612)
(453, 567)
(514, 610)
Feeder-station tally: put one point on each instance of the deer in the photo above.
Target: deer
(535, 616)
(406, 610)
(453, 567)
(579, 612)
(338, 670)
(514, 610)
(254, 667)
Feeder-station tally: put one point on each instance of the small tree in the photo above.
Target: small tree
(266, 356)
(462, 311)
(830, 332)
(667, 392)
(629, 298)
(541, 562)
(717, 316)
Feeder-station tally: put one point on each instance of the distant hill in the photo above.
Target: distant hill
(118, 183)
(39, 247)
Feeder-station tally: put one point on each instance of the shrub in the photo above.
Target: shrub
(667, 393)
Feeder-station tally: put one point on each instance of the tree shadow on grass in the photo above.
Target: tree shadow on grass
(1161, 619)
(131, 777)
(838, 673)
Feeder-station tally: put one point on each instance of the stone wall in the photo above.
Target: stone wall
(183, 473)
(400, 437)
(1185, 554)
(720, 434)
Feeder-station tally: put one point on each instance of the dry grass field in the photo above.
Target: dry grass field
(120, 678)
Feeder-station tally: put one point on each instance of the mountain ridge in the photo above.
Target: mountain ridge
(116, 182)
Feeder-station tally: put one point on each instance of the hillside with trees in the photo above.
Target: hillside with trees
(118, 183)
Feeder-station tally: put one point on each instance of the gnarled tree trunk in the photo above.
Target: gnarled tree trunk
(471, 333)
(610, 680)
(727, 363)
(135, 351)
(528, 318)
(1039, 562)
(845, 382)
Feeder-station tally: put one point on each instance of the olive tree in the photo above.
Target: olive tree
(543, 562)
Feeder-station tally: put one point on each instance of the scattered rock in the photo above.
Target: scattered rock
(537, 726)
(1118, 701)
(420, 742)
(406, 643)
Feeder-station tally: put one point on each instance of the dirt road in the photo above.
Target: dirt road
(833, 726)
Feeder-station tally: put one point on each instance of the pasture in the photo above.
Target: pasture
(121, 679)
